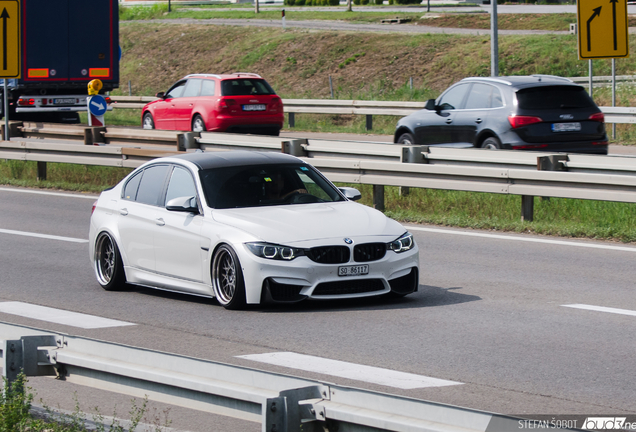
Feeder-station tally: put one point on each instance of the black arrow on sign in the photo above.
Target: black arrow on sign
(4, 17)
(596, 13)
(613, 2)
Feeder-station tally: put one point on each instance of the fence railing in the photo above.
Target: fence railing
(359, 107)
(527, 174)
(279, 402)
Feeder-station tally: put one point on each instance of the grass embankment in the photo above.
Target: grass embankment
(371, 66)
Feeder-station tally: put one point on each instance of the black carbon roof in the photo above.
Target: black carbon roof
(218, 159)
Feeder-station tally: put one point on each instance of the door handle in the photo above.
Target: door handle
(449, 121)
(478, 120)
(160, 222)
(123, 211)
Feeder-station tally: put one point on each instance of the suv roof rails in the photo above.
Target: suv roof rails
(494, 79)
(247, 73)
(203, 75)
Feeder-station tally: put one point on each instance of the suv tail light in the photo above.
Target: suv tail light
(599, 117)
(519, 121)
(226, 103)
(276, 105)
(94, 205)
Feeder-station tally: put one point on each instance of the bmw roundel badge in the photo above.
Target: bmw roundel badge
(348, 241)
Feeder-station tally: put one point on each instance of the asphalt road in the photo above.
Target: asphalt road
(490, 314)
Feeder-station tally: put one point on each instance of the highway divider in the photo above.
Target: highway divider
(361, 107)
(527, 174)
(281, 403)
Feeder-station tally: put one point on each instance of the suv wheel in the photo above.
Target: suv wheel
(491, 143)
(406, 139)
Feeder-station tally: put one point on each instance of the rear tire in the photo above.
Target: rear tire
(491, 143)
(198, 125)
(148, 122)
(406, 139)
(109, 267)
(227, 279)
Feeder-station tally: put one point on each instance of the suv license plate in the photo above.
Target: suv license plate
(64, 101)
(566, 127)
(257, 107)
(355, 270)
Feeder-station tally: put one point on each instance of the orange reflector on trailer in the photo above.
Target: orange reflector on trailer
(98, 72)
(38, 73)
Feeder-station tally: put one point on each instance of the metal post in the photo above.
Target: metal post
(6, 112)
(169, 6)
(129, 88)
(613, 94)
(428, 5)
(292, 119)
(591, 81)
(255, 6)
(378, 197)
(369, 124)
(331, 86)
(527, 208)
(411, 83)
(494, 40)
(41, 171)
(283, 17)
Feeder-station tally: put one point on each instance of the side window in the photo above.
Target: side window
(454, 97)
(176, 90)
(151, 185)
(181, 184)
(130, 190)
(479, 96)
(207, 87)
(497, 100)
(192, 88)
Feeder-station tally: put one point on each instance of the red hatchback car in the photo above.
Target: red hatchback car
(238, 102)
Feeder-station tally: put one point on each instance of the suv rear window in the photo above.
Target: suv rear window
(245, 87)
(553, 97)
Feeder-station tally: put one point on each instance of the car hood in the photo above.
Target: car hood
(294, 224)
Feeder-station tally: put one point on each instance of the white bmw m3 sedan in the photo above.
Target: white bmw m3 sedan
(246, 228)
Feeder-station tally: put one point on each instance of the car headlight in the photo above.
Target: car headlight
(273, 251)
(403, 244)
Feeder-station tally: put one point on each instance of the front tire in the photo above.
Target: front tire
(227, 278)
(198, 125)
(148, 122)
(491, 143)
(109, 267)
(406, 139)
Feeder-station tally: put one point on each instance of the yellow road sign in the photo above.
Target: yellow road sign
(602, 29)
(10, 44)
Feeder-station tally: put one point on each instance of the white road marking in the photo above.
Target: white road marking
(59, 316)
(45, 236)
(353, 371)
(524, 239)
(602, 309)
(60, 194)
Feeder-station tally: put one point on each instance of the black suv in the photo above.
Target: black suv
(538, 112)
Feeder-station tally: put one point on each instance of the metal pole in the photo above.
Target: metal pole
(283, 17)
(428, 5)
(591, 80)
(6, 111)
(613, 94)
(494, 42)
(331, 86)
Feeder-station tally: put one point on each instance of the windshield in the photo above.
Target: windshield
(553, 97)
(265, 185)
(245, 87)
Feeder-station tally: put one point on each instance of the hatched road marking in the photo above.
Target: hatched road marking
(59, 316)
(347, 370)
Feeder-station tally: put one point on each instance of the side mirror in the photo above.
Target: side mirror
(183, 204)
(160, 95)
(430, 105)
(351, 193)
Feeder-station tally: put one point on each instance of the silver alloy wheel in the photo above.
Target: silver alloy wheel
(148, 122)
(224, 276)
(198, 125)
(105, 259)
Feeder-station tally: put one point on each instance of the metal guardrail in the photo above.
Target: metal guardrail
(281, 403)
(528, 174)
(358, 107)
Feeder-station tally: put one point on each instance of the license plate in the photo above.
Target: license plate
(355, 270)
(64, 101)
(566, 127)
(256, 107)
